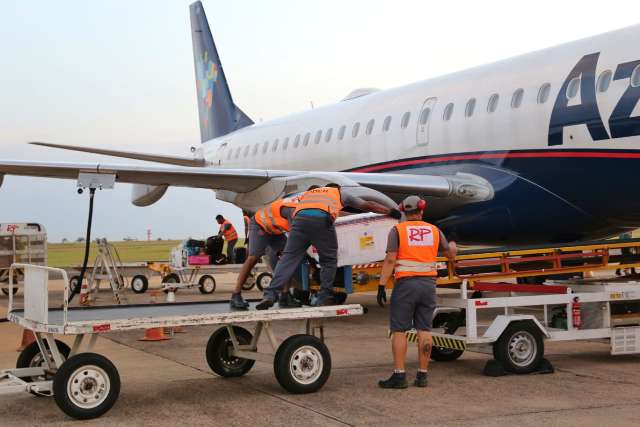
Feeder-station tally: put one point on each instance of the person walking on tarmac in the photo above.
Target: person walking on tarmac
(412, 248)
(266, 236)
(313, 220)
(228, 232)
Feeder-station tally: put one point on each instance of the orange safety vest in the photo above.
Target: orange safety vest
(270, 219)
(417, 249)
(229, 234)
(326, 199)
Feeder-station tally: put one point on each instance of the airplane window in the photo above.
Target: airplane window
(356, 128)
(265, 147)
(492, 105)
(318, 137)
(604, 80)
(306, 139)
(516, 99)
(543, 93)
(635, 77)
(386, 125)
(448, 112)
(296, 143)
(237, 152)
(343, 128)
(327, 136)
(229, 155)
(573, 88)
(471, 105)
(405, 120)
(255, 150)
(424, 116)
(370, 126)
(245, 153)
(285, 144)
(275, 145)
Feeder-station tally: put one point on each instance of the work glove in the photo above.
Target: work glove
(395, 213)
(382, 295)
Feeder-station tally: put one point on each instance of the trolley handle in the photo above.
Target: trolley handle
(26, 268)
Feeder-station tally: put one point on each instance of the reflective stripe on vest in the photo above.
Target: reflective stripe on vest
(418, 243)
(230, 233)
(270, 219)
(326, 199)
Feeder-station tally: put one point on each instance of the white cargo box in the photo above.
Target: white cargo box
(362, 238)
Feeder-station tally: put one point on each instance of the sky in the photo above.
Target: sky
(119, 74)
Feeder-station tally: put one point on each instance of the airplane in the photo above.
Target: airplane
(540, 148)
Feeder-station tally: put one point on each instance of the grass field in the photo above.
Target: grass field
(68, 254)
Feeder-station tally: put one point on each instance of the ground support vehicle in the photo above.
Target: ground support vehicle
(513, 321)
(20, 242)
(86, 385)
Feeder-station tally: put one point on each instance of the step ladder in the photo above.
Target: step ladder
(107, 267)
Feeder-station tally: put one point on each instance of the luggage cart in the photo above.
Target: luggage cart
(85, 385)
(20, 242)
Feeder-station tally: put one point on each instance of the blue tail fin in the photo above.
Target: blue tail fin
(218, 114)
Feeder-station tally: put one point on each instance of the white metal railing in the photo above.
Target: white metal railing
(36, 291)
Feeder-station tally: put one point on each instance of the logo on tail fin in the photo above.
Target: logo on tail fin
(206, 77)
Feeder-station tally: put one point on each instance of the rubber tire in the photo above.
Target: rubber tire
(68, 368)
(283, 357)
(340, 297)
(501, 347)
(74, 284)
(171, 278)
(440, 354)
(261, 286)
(216, 353)
(6, 290)
(201, 284)
(32, 350)
(145, 283)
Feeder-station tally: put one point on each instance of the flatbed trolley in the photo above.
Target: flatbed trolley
(86, 385)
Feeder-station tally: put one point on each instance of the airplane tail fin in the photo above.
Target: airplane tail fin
(218, 114)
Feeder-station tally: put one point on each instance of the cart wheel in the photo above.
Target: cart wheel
(86, 386)
(171, 278)
(218, 357)
(520, 347)
(448, 322)
(31, 357)
(339, 297)
(6, 290)
(249, 283)
(139, 284)
(302, 364)
(207, 284)
(264, 280)
(74, 284)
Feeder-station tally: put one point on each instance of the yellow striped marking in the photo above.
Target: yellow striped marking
(438, 341)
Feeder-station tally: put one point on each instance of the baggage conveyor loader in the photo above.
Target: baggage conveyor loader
(86, 385)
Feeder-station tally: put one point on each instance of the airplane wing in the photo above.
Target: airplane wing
(254, 187)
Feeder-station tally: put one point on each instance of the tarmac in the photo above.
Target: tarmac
(168, 383)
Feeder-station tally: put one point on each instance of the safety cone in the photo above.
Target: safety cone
(154, 334)
(27, 338)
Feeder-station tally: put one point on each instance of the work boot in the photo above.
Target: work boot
(238, 303)
(421, 379)
(325, 302)
(265, 304)
(396, 380)
(288, 301)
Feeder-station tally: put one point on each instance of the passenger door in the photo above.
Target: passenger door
(424, 120)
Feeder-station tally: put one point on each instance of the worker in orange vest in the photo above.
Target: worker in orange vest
(228, 232)
(412, 249)
(313, 220)
(266, 236)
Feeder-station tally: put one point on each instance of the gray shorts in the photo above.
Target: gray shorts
(259, 241)
(413, 302)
